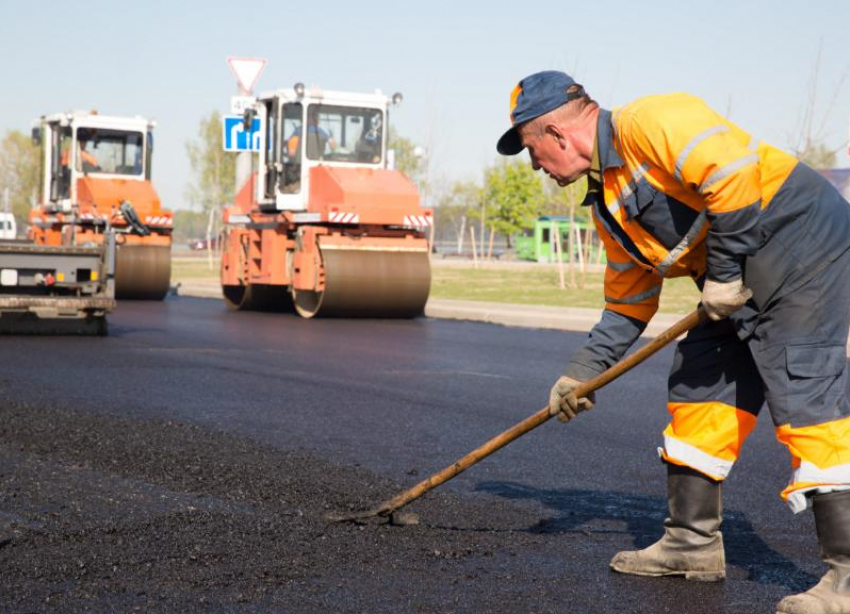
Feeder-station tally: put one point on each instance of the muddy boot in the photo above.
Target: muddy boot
(692, 545)
(832, 593)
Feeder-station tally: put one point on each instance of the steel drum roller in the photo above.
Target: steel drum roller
(142, 272)
(369, 283)
(257, 297)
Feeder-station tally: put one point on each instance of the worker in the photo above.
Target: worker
(86, 162)
(368, 146)
(675, 189)
(318, 139)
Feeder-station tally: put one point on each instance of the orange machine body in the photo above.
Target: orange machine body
(98, 201)
(74, 193)
(326, 224)
(356, 208)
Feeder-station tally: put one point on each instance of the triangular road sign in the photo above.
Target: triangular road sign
(247, 71)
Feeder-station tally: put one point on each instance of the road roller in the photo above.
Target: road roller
(96, 174)
(325, 226)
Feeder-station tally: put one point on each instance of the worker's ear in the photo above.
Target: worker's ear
(554, 131)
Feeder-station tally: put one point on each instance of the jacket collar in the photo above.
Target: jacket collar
(605, 154)
(608, 155)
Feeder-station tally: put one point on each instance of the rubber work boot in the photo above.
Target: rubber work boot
(832, 593)
(692, 545)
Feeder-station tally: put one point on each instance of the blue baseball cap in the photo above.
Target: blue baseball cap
(534, 96)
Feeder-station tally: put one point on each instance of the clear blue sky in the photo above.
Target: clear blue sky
(455, 62)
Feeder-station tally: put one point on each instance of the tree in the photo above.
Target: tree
(513, 197)
(817, 155)
(213, 179)
(561, 201)
(19, 172)
(189, 225)
(408, 157)
(566, 201)
(460, 202)
(809, 144)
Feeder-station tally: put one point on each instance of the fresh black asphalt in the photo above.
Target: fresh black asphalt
(184, 464)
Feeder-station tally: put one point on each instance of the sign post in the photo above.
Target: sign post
(247, 72)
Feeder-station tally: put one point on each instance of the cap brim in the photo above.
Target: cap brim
(510, 144)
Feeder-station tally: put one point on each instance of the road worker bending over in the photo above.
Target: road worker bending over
(675, 189)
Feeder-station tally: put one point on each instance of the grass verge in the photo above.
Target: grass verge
(526, 284)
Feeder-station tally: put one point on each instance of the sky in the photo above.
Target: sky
(762, 63)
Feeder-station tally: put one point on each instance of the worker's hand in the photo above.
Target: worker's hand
(563, 402)
(722, 299)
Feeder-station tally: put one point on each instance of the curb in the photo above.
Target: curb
(507, 314)
(196, 290)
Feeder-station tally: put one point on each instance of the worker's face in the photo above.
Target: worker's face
(555, 153)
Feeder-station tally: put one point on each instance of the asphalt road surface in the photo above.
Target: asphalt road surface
(185, 464)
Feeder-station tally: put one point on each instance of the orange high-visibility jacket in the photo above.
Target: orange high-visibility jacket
(684, 201)
(83, 157)
(686, 192)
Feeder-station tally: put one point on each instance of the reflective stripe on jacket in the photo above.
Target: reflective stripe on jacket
(686, 192)
(683, 189)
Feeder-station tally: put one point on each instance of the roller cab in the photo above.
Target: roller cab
(326, 226)
(97, 175)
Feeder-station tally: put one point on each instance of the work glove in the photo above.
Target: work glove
(721, 299)
(564, 404)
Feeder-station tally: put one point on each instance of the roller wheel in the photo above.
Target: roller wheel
(257, 297)
(142, 272)
(369, 283)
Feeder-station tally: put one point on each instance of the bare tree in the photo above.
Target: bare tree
(809, 143)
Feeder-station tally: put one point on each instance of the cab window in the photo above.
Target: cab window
(344, 134)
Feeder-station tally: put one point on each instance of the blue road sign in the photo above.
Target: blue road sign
(235, 137)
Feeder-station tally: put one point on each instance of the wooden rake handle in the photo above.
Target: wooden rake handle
(536, 419)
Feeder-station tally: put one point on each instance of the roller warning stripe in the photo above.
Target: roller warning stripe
(338, 217)
(158, 220)
(418, 221)
(92, 218)
(150, 220)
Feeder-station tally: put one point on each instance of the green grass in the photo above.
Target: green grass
(527, 284)
(193, 267)
(533, 285)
